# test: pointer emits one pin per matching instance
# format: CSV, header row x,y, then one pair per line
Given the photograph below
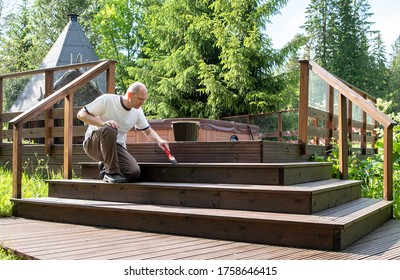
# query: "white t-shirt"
x,y
110,107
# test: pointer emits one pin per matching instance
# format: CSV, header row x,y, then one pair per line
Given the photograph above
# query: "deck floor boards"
x,y
49,241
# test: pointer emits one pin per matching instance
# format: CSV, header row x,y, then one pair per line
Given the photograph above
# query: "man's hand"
x,y
111,123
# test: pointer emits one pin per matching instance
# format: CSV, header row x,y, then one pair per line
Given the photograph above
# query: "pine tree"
x,y
344,43
394,74
209,58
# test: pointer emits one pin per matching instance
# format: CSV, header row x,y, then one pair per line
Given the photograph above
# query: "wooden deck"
x,y
44,240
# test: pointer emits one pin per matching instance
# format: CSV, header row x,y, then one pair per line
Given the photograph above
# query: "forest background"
x,y
207,59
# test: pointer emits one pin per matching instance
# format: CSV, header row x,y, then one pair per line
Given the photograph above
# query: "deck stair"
x,y
289,204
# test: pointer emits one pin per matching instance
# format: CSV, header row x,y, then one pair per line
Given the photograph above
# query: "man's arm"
x,y
90,119
153,136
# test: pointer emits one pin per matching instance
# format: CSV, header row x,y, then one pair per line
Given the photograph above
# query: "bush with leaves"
x,y
370,170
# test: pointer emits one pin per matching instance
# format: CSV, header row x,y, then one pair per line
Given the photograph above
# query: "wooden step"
x,y
303,198
234,173
332,229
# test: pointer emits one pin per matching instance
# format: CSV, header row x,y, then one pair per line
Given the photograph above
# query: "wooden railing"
x,y
282,126
47,104
347,95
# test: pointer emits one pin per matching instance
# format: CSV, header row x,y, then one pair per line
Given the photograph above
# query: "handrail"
x,y
48,102
346,94
55,68
350,94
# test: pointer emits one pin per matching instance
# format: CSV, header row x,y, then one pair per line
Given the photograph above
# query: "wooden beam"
x,y
388,163
329,124
49,122
49,102
55,69
17,163
303,103
342,141
280,127
351,95
350,120
68,134
110,86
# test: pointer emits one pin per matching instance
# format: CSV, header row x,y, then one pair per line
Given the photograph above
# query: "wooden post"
x,y
280,126
350,120
364,133
17,162
110,84
48,122
303,104
330,126
68,134
342,141
388,163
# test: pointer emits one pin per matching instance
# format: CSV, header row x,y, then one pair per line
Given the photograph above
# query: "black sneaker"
x,y
102,170
114,178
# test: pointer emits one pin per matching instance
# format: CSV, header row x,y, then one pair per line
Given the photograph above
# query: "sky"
x,y
386,16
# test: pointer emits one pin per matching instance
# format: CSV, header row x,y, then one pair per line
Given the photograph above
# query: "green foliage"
x,y
8,255
116,24
394,74
210,59
33,182
370,170
344,44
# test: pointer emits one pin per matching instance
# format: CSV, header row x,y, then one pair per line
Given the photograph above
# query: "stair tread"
x,y
229,164
352,211
341,219
317,186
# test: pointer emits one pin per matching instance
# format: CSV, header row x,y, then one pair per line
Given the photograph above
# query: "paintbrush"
x,y
170,157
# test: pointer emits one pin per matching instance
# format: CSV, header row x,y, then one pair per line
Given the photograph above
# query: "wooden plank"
x,y
159,251
362,249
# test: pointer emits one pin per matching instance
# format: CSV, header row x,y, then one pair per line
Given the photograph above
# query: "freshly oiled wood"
x,y
303,198
109,250
241,151
384,239
238,173
250,173
353,216
246,226
78,250
200,253
146,251
254,251
179,211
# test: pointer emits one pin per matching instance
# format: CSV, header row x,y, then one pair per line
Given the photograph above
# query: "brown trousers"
x,y
102,146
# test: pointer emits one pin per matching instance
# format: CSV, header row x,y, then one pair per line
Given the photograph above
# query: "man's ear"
x,y
129,95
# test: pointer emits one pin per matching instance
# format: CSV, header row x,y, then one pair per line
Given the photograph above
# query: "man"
x,y
110,117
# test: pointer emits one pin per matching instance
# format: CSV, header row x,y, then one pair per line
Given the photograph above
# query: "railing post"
x,y
330,125
388,163
110,84
68,134
303,103
350,120
280,126
48,122
17,162
342,142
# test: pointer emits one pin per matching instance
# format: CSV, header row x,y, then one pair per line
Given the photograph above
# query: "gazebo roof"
x,y
72,46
